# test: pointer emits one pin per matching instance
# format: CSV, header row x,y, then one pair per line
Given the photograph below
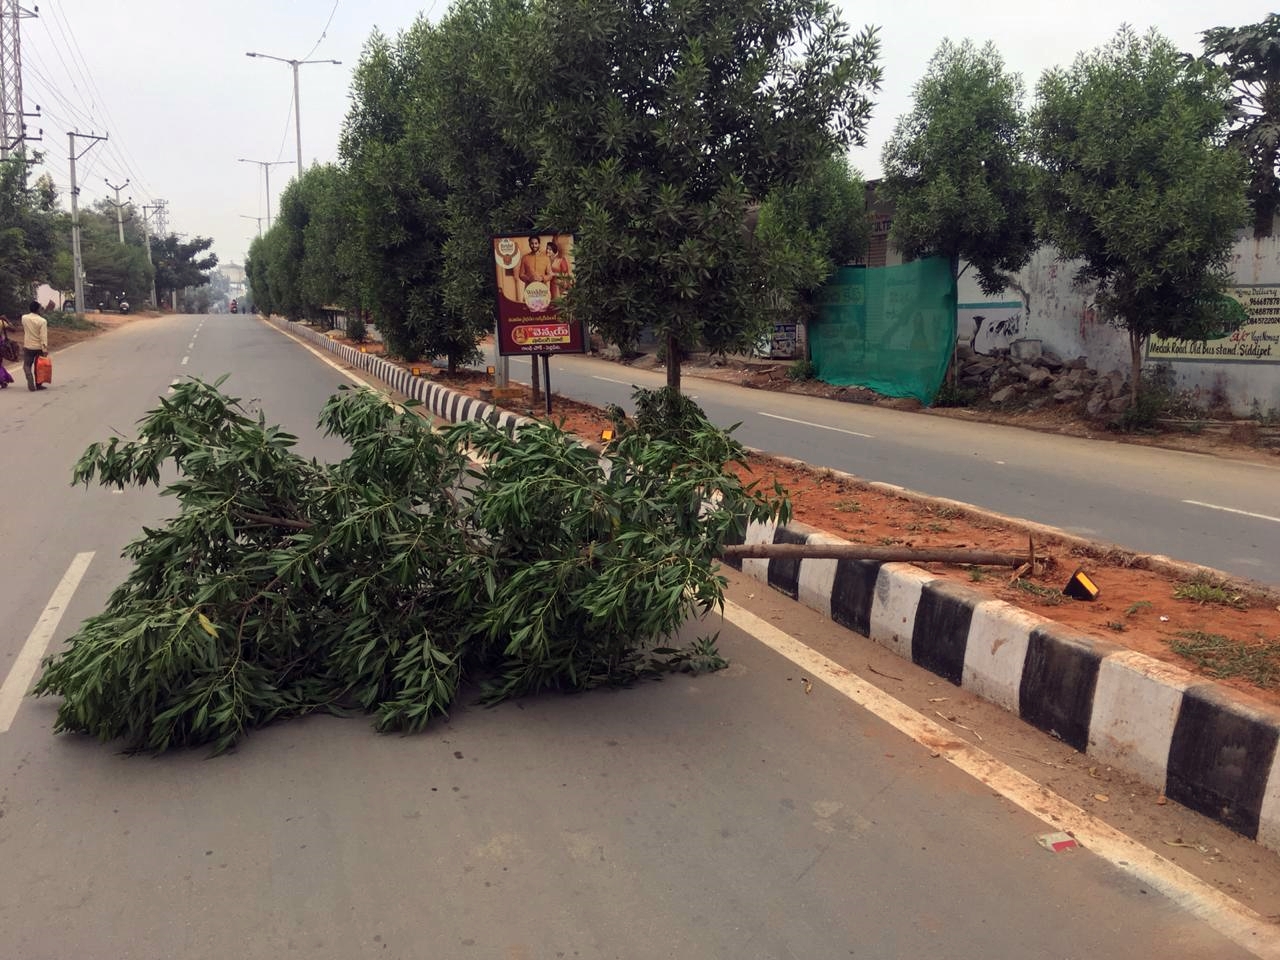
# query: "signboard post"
x,y
533,271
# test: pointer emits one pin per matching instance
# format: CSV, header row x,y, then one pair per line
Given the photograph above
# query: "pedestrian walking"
x,y
35,343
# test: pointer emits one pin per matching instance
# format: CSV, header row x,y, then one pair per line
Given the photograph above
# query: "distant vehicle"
x,y
124,306
235,308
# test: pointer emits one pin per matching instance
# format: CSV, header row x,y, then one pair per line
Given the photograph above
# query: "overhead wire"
x,y
121,148
117,147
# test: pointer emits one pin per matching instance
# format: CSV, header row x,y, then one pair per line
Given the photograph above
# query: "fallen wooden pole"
x,y
854,551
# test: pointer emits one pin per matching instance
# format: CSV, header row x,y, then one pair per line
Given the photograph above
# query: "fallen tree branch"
x,y
856,551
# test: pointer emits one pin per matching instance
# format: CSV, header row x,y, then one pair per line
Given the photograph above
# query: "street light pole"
x,y
297,105
266,166
245,216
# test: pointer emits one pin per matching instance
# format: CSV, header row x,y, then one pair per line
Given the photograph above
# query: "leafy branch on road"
x,y
285,586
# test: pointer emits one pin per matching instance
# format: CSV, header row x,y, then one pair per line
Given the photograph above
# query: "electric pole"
x,y
297,105
76,264
266,166
148,211
13,114
118,205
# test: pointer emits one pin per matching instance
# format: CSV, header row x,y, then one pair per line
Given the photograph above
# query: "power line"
x,y
82,67
323,33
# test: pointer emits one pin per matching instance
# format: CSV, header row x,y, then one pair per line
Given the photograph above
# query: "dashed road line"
x,y
611,380
24,667
185,359
818,426
1243,513
1228,917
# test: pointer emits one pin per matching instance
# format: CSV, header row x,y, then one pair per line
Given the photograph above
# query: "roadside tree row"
x,y
660,135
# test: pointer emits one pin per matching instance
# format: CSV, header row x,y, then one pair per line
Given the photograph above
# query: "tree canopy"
x,y
179,264
957,170
28,234
1135,186
656,126
1250,55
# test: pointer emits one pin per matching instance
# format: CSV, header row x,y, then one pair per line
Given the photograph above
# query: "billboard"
x,y
532,272
1257,341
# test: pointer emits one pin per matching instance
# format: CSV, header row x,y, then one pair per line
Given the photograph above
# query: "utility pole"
x,y
297,106
266,166
118,205
77,264
13,114
245,216
147,213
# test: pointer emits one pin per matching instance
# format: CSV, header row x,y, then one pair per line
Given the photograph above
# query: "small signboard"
x,y
533,271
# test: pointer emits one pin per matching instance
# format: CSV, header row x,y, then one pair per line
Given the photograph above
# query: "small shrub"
x,y
1202,590
356,329
802,370
1116,625
848,506
976,574
1049,596
953,395
1134,608
1158,398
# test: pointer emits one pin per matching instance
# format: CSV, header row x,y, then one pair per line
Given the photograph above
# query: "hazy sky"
x,y
169,81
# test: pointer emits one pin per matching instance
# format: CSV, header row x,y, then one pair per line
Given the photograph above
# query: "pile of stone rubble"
x,y
1028,377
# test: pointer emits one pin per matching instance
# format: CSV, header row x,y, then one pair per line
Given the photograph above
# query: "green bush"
x,y
802,370
385,581
356,330
953,395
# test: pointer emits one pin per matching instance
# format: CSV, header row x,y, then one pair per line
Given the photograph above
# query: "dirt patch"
x,y
1224,632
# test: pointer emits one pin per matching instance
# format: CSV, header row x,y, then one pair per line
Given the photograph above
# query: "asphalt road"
x,y
1221,513
720,816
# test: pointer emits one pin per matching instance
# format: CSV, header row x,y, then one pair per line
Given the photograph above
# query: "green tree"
x,y
956,167
485,164
1135,185
113,270
658,125
179,264
804,231
397,200
255,271
1251,57
28,234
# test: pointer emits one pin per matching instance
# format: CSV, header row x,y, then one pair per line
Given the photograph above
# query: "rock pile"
x,y
1043,378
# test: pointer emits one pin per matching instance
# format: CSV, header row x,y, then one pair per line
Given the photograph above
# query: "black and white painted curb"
x,y
1204,745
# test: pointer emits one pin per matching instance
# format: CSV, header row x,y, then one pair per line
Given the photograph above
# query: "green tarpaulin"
x,y
890,329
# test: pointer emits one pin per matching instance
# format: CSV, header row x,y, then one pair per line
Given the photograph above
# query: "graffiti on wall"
x,y
989,327
1257,341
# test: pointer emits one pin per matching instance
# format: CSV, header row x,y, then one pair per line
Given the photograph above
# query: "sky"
x,y
169,83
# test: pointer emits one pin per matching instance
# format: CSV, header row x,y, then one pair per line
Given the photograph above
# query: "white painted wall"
x,y
1062,315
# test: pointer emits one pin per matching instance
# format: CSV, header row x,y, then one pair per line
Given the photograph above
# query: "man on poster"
x,y
535,267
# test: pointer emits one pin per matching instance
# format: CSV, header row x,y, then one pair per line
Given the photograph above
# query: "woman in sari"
x,y
8,351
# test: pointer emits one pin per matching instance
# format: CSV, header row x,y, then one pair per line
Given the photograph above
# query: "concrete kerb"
x,y
1202,744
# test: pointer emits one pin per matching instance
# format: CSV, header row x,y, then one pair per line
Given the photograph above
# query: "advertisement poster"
x,y
1258,341
532,272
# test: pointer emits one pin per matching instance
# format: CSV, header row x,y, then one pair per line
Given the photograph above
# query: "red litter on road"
x,y
1057,842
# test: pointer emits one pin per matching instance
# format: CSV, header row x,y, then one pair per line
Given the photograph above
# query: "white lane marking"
x,y
322,358
24,667
611,380
1243,513
1000,462
185,359
1230,918
820,426
173,385
192,344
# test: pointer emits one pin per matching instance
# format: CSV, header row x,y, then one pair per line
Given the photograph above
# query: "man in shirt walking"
x,y
35,343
